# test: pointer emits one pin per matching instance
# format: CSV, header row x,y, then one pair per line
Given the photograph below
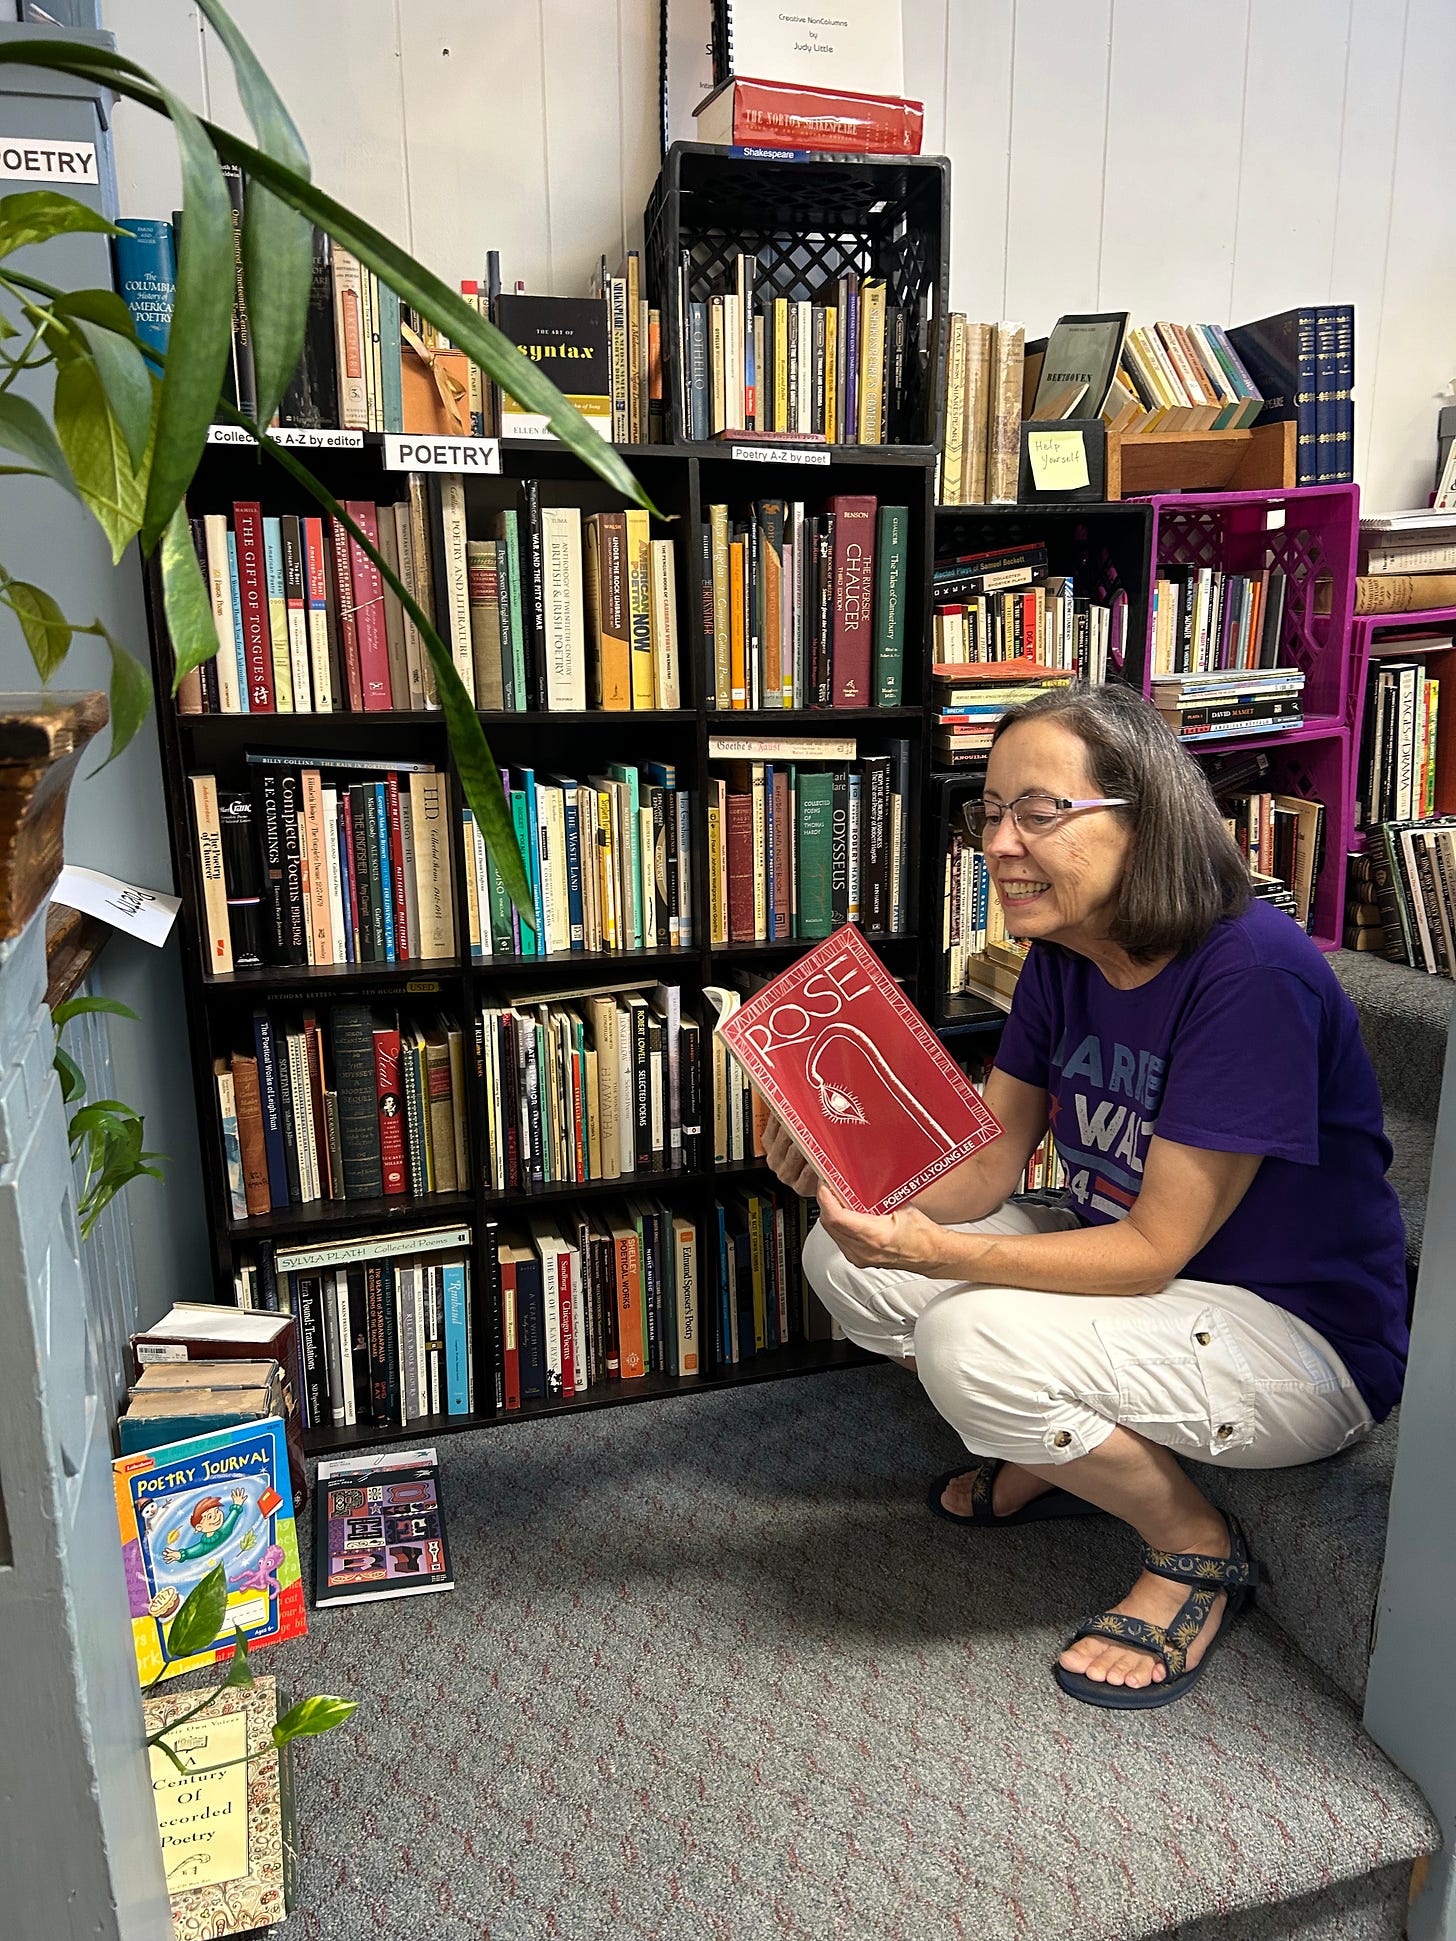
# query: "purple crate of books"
x,y
1365,646
1313,764
1309,534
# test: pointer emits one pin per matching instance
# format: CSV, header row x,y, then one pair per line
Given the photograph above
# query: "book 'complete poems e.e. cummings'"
x,y
186,1507
857,1076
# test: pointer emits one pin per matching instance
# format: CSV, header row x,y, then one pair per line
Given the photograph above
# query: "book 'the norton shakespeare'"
x,y
857,1076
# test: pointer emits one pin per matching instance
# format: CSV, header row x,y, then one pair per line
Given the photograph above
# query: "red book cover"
x,y
510,1341
403,944
854,599
568,1326
348,633
780,114
629,1302
857,1075
373,642
392,1161
740,868
253,607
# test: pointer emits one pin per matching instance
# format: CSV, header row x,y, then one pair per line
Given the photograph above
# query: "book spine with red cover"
x,y
629,1306
740,868
510,1337
373,640
854,609
253,601
394,1168
344,598
404,946
775,114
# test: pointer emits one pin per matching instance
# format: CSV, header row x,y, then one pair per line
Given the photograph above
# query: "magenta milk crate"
x,y
1375,636
1309,534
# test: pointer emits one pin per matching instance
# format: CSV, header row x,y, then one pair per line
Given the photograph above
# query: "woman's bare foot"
x,y
1157,1601
1013,1489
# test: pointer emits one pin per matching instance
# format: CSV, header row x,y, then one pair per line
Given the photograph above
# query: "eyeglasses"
x,y
1035,814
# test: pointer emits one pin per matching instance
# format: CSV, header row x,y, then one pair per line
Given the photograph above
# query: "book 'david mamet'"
x,y
856,1075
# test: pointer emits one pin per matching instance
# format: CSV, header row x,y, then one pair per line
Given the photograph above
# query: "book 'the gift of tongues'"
x,y
856,1075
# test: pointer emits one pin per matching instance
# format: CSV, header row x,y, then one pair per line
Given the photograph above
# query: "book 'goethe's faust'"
x,y
857,1076
567,339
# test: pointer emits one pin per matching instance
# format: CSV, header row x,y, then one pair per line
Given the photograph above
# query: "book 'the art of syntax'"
x,y
856,1075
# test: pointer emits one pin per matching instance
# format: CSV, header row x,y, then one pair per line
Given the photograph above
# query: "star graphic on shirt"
x,y
1054,1107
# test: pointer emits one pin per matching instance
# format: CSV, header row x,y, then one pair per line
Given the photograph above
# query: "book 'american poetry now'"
x,y
857,1076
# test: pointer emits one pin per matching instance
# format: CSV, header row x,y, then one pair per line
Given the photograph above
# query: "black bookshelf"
x,y
682,481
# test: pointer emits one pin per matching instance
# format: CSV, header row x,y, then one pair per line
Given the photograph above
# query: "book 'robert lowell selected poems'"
x,y
857,1076
186,1507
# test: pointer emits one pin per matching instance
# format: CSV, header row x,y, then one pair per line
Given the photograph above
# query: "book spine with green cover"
x,y
816,807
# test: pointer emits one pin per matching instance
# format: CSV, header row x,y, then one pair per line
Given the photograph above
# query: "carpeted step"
x,y
1405,1015
1320,1531
712,1669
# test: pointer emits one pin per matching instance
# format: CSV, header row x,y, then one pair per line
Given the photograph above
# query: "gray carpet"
x,y
712,1670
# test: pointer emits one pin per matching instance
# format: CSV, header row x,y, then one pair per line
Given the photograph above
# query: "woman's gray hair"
x,y
1185,873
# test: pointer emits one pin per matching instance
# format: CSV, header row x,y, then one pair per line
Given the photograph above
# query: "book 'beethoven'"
x,y
857,1076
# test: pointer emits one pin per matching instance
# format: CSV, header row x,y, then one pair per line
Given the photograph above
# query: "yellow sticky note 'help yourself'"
x,y
1058,460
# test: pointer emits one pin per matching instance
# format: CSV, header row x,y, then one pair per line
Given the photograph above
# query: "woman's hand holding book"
x,y
787,1161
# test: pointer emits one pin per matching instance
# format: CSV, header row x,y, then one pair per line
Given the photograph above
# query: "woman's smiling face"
x,y
1062,887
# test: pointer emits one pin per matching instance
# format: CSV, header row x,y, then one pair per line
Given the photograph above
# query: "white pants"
x,y
1213,1372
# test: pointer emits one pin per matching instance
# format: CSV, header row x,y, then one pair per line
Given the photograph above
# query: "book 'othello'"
x,y
857,1076
185,1508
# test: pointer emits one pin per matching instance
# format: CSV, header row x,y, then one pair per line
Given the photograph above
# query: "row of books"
x,y
752,362
547,611
764,1301
796,849
597,1085
1182,377
634,352
980,954
1417,891
1220,705
610,861
970,700
1396,779
1205,619
1006,605
1046,1170
1282,838
305,863
388,1327
342,1104
981,412
806,609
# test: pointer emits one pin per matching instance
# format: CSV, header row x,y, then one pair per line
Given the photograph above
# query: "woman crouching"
x,y
1225,1277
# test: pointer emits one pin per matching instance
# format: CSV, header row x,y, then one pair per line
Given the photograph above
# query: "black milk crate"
x,y
806,223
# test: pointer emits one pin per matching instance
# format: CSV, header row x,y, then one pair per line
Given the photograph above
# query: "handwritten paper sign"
x,y
144,914
1058,460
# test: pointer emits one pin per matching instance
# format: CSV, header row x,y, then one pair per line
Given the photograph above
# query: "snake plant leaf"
x,y
277,240
79,1007
201,335
25,431
96,451
35,215
46,629
191,624
200,1616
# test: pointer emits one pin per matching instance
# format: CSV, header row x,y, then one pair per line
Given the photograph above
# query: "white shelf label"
x,y
406,452
295,435
31,160
785,454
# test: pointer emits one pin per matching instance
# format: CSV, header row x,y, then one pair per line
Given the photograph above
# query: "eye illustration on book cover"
x,y
188,1507
857,1076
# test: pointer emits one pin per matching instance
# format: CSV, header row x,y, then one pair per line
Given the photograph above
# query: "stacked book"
x,y
839,369
597,1085
1418,890
806,609
1370,917
548,610
970,699
804,120
342,1104
610,861
1215,706
1205,618
805,835
1005,605
1397,773
981,410
592,1295
1407,562
764,1301
325,860
981,957
388,1332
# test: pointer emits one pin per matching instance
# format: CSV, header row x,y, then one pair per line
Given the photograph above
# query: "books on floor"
x,y
856,1076
184,1509
379,1528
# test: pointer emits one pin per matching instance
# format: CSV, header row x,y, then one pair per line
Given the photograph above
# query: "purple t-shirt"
x,y
1248,1045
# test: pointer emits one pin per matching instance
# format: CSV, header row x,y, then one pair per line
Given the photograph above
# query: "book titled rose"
x,y
857,1076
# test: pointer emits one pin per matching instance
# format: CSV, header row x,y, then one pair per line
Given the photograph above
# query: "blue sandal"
x,y
1046,1508
1237,1574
